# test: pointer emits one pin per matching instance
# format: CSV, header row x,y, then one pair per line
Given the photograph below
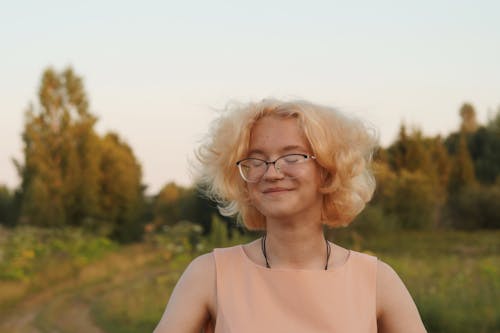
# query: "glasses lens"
x,y
290,163
252,169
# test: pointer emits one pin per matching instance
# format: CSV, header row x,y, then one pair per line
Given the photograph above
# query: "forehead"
x,y
275,134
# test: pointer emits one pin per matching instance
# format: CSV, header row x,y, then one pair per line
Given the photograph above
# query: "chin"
x,y
278,211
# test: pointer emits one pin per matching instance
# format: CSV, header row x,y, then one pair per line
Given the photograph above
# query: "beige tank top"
x,y
253,298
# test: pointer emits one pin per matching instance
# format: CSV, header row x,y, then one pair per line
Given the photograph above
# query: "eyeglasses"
x,y
253,169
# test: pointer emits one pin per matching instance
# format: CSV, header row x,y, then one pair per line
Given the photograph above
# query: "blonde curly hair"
x,y
343,147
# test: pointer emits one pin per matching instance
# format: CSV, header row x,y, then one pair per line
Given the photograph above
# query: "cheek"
x,y
311,176
252,193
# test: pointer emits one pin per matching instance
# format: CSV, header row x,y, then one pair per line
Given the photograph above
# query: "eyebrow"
x,y
284,150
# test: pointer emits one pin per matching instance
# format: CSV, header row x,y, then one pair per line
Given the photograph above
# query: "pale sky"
x,y
154,71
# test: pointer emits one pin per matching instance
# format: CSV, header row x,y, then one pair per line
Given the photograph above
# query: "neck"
x,y
295,245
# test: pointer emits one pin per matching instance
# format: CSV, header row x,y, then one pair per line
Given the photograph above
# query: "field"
x,y
67,281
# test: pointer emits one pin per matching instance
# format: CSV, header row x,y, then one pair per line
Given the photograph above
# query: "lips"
x,y
276,190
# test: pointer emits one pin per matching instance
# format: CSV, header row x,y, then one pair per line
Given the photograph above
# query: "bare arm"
x,y
188,308
396,310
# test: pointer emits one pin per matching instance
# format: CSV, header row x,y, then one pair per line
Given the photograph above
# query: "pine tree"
x,y
462,172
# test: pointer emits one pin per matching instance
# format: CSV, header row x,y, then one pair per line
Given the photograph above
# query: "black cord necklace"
x,y
263,246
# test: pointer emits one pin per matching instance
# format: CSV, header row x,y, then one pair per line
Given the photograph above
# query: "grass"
x,y
453,276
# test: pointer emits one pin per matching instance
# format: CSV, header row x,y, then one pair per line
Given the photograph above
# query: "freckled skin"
x,y
271,136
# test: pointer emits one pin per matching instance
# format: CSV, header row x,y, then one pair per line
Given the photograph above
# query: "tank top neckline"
x,y
291,270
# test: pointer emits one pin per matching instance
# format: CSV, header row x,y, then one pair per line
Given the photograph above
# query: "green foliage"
x,y
120,197
484,146
183,237
468,115
418,201
70,175
408,199
453,276
58,173
25,251
170,204
462,173
475,206
7,206
137,306
432,182
374,220
442,165
218,235
410,153
175,203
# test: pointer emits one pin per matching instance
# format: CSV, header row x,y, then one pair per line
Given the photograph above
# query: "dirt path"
x,y
65,316
66,307
52,311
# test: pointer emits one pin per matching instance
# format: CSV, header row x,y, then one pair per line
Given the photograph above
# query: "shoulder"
x,y
200,274
385,273
192,300
202,263
389,284
365,256
395,306
205,265
390,287
199,277
367,262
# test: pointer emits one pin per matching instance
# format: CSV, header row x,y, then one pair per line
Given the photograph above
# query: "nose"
x,y
272,172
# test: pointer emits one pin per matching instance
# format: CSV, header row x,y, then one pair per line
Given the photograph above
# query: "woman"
x,y
289,168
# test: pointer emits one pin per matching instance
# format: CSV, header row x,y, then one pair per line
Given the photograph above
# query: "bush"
x,y
373,219
25,251
475,207
413,199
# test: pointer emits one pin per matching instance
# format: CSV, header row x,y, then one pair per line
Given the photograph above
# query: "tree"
x,y
398,151
462,172
493,124
58,174
441,162
409,152
483,146
6,206
121,191
469,122
414,200
168,205
175,203
70,175
476,206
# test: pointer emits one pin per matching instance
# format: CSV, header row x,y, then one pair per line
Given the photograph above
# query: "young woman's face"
x,y
283,194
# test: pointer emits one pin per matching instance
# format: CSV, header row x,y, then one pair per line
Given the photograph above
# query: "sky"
x,y
156,72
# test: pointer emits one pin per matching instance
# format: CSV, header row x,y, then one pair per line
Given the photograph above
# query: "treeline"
x,y
72,176
429,182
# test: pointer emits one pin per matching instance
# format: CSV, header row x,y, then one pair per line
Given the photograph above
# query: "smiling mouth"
x,y
276,190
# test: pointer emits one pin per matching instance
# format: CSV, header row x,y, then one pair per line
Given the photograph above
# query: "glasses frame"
x,y
267,163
